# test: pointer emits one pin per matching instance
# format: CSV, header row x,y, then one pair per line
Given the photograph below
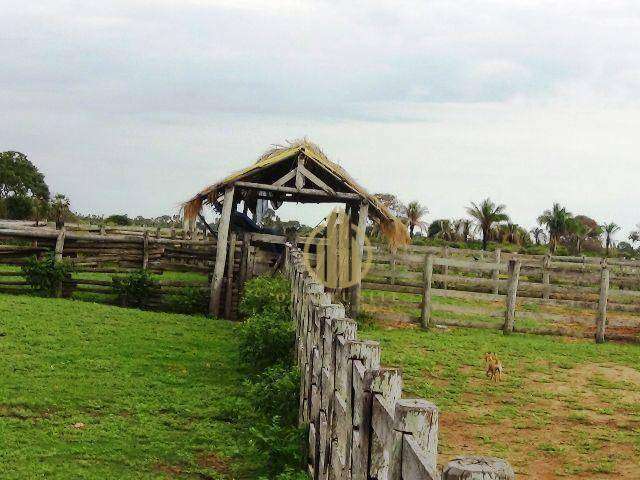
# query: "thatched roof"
x,y
278,160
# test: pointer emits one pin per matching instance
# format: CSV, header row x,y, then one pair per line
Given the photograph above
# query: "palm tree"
x,y
557,220
59,209
609,230
462,227
486,214
634,236
538,235
414,213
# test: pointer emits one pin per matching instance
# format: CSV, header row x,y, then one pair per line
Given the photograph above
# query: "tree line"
x,y
557,231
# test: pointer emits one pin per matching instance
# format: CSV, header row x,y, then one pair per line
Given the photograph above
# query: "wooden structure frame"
x,y
299,173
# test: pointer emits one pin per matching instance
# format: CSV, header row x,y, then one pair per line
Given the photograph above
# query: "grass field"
x,y
93,391
566,407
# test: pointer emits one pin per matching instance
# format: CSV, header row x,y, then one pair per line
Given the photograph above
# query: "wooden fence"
x,y
248,255
594,284
360,427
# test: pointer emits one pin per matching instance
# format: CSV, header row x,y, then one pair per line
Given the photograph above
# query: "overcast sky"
x,y
132,106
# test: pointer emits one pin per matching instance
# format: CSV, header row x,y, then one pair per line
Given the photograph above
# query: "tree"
x,y
462,227
118,219
18,176
60,209
538,235
635,236
486,214
390,201
609,229
18,207
414,213
557,221
41,209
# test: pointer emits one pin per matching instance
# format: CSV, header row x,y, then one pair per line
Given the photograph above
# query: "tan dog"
x,y
493,366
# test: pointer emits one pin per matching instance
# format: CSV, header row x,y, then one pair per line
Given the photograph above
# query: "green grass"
x,y
153,391
549,403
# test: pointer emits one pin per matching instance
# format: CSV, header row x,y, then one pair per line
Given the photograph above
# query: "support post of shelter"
x,y
221,252
356,259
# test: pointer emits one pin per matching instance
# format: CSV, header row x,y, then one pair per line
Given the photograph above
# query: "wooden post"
x,y
103,230
145,250
221,252
58,258
356,260
512,292
60,245
496,274
393,251
487,468
228,302
546,263
425,317
244,260
446,267
158,235
601,319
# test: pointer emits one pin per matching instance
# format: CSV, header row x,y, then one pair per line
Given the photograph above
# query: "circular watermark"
x,y
334,254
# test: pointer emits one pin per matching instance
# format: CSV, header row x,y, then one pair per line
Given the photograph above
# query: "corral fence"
x,y
110,256
593,285
360,427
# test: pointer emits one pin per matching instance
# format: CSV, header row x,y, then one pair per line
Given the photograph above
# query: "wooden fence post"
x,y
601,319
229,298
393,251
487,468
60,245
425,318
58,258
356,259
446,267
496,274
512,292
546,264
221,252
145,250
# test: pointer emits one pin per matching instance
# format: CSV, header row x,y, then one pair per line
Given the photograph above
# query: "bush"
x,y
46,275
122,220
283,445
135,289
19,207
278,389
267,339
265,293
189,300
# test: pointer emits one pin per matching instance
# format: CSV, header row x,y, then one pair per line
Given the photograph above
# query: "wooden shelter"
x,y
298,172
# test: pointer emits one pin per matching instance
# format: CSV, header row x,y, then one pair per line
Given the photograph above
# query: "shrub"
x,y
46,275
265,293
122,220
19,207
277,388
189,300
283,445
267,339
135,289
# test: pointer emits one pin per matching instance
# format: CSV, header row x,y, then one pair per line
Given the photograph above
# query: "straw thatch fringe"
x,y
393,229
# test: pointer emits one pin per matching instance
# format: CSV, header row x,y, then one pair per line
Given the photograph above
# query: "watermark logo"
x,y
333,253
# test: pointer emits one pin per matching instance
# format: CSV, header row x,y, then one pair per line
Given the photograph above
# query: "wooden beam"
x,y
229,297
302,169
305,191
207,226
284,179
358,252
299,177
221,252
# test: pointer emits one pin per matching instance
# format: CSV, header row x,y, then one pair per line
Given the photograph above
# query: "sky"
x,y
133,106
